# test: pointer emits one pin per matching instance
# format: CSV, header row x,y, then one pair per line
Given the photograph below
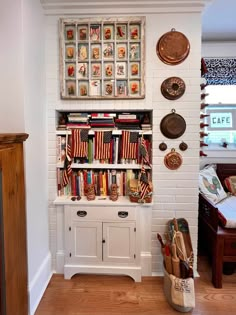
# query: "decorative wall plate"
x,y
173,47
173,125
173,88
173,160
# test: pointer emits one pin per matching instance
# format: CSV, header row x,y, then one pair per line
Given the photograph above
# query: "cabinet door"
x,y
86,242
119,242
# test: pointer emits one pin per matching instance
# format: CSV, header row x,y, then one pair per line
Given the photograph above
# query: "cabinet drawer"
x,y
102,213
230,247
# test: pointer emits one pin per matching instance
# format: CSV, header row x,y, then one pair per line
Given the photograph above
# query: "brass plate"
x,y
173,47
173,88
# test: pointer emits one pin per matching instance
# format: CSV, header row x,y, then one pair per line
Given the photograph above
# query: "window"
x,y
222,114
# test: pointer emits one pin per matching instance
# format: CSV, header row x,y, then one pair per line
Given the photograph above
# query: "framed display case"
x,y
102,58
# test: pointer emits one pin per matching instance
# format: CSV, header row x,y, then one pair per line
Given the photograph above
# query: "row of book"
x,y
102,180
104,121
115,148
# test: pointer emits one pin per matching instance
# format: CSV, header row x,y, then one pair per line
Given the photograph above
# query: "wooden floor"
x,y
107,295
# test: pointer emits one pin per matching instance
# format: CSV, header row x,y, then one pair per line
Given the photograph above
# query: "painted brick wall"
x,y
175,192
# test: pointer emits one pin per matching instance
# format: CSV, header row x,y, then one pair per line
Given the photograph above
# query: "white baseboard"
x,y
146,263
39,284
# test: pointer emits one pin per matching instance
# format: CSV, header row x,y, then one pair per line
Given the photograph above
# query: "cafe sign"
x,y
221,120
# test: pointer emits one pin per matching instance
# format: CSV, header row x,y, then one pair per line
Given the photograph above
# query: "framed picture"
x,y
102,57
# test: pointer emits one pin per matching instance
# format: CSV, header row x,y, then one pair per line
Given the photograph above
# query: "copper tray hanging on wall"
x,y
173,88
173,160
173,47
173,125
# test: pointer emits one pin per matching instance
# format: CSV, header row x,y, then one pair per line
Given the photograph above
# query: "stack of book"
x,y
78,120
128,121
102,120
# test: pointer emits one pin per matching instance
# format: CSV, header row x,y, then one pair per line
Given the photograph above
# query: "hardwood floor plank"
x,y
120,295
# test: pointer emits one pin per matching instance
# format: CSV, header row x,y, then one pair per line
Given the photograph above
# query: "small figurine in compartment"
x,y
107,32
70,52
70,88
108,50
134,32
70,70
70,34
82,32
82,70
95,32
82,52
121,31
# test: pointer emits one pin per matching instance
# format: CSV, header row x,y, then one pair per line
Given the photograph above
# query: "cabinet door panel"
x,y
119,245
87,242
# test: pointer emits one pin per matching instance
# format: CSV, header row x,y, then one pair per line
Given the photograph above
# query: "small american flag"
x,y
67,167
79,142
143,152
103,144
145,187
129,144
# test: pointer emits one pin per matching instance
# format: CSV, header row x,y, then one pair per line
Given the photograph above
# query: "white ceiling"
x,y
219,21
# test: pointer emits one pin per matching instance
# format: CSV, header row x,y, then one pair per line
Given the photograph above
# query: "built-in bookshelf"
x,y
118,165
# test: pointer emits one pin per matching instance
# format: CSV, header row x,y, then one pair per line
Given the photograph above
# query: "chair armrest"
x,y
208,213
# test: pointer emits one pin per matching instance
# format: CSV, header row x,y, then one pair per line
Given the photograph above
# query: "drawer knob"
x,y
81,213
123,214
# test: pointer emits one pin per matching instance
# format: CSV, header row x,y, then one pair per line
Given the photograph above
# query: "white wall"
x,y
39,258
11,65
175,192
23,109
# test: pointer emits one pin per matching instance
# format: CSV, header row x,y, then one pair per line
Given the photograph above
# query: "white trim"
x,y
52,7
39,284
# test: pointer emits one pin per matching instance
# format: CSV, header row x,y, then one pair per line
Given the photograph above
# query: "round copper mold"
x,y
183,146
163,146
173,88
173,47
173,125
173,160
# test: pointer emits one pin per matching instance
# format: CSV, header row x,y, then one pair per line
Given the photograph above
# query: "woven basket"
x,y
167,292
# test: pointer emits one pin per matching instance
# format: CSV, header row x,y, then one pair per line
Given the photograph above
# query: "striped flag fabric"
x,y
129,148
67,167
143,152
144,184
79,143
103,145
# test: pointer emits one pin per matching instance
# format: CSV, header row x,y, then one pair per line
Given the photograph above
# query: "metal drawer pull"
x,y
81,213
123,214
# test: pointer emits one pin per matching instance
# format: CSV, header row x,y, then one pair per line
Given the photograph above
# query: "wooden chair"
x,y
219,242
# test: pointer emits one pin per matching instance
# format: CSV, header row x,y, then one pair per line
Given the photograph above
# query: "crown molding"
x,y
114,7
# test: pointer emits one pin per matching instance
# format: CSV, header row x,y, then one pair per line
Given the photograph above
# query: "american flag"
x,y
143,152
103,144
129,144
145,187
79,142
67,167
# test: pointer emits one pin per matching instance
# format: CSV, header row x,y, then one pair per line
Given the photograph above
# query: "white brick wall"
x,y
175,192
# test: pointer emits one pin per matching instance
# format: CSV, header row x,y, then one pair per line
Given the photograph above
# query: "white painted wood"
x,y
119,242
103,241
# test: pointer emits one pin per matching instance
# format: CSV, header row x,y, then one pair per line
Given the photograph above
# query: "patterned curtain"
x,y
220,71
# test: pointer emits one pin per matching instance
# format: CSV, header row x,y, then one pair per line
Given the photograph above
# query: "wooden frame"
x,y
102,58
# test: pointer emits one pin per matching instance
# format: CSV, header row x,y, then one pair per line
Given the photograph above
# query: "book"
x,y
127,116
102,115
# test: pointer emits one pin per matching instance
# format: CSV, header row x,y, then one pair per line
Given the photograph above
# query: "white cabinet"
x,y
102,240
